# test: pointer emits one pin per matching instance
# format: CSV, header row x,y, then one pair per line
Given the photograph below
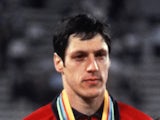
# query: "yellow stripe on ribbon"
x,y
106,106
69,111
67,106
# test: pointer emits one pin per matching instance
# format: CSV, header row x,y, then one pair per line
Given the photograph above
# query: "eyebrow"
x,y
79,52
102,50
85,52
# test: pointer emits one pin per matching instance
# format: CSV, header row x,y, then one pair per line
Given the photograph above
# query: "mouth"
x,y
92,81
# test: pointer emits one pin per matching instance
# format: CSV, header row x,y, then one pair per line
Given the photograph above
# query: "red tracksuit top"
x,y
125,112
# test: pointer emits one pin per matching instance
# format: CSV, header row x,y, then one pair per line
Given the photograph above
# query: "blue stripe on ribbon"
x,y
111,110
61,110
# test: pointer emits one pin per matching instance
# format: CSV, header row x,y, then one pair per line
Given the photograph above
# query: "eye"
x,y
79,56
101,54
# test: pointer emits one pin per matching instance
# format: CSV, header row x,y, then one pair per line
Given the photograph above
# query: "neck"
x,y
86,106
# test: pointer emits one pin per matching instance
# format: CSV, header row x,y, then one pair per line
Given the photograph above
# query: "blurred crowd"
x,y
33,77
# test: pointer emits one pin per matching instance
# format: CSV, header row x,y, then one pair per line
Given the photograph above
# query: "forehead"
x,y
93,44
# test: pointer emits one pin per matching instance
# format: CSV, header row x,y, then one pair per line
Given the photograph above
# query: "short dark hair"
x,y
82,25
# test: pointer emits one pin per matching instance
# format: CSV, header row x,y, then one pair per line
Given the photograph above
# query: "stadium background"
x,y
27,76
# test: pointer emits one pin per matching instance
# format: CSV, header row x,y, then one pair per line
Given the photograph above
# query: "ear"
x,y
58,63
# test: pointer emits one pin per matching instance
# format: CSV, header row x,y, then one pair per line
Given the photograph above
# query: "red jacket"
x,y
126,112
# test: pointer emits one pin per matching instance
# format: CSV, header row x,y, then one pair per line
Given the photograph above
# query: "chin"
x,y
92,94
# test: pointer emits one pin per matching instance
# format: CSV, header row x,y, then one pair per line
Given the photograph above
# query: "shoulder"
x,y
128,112
43,113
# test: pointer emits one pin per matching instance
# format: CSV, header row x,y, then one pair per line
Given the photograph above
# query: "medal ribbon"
x,y
65,110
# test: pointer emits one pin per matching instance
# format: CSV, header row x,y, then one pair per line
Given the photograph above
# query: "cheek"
x,y
73,73
104,71
77,73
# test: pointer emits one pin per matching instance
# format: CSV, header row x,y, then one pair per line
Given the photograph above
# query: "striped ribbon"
x,y
65,110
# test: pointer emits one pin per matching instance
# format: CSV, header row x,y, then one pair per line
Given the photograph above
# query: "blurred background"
x,y
27,76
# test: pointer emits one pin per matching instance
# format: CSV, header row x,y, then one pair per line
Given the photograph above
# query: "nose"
x,y
92,65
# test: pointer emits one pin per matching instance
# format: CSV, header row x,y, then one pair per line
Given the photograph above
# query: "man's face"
x,y
85,71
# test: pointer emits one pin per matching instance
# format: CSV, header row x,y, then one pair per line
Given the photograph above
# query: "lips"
x,y
92,80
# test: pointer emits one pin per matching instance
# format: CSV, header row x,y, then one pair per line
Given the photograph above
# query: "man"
x,y
81,55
